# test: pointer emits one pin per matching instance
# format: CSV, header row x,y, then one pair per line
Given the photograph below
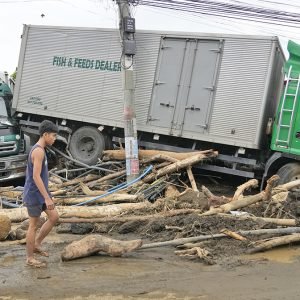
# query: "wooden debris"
x,y
232,234
5,227
171,192
240,203
192,179
240,190
149,154
92,244
264,245
88,212
279,222
128,218
180,165
176,242
197,252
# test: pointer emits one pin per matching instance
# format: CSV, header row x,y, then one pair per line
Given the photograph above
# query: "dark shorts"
x,y
36,210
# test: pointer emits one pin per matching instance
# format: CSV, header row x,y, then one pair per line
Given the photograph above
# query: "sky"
x,y
103,14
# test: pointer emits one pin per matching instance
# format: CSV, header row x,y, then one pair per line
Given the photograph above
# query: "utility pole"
x,y
127,30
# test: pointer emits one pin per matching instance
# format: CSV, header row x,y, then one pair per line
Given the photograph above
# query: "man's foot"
x,y
40,252
35,263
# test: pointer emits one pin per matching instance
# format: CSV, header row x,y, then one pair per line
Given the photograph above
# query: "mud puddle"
x,y
286,255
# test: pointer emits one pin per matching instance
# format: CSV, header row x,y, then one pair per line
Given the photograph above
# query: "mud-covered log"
x,y
92,244
148,154
124,219
265,245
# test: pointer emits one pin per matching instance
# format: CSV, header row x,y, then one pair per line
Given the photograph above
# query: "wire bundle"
x,y
234,9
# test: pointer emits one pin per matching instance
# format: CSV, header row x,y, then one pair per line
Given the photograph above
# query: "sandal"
x,y
35,263
41,252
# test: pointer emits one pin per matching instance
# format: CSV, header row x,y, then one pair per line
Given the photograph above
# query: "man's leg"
x,y
30,237
47,226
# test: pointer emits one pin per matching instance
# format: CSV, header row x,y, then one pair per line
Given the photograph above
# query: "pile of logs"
x,y
132,204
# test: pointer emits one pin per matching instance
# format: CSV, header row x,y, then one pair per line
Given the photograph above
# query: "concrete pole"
x,y
130,130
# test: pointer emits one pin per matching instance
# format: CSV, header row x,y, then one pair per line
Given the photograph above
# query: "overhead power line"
x,y
229,10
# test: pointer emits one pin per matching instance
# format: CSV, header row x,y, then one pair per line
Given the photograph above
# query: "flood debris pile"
x,y
167,208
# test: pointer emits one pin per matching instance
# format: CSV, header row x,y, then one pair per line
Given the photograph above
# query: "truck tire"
x,y
87,144
289,172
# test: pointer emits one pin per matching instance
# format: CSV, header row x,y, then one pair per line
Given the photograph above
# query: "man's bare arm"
x,y
37,157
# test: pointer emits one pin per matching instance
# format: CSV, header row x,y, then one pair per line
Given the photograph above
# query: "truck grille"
x,y
8,146
2,165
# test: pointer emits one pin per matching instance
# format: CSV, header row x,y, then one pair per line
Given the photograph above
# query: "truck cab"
x,y
12,144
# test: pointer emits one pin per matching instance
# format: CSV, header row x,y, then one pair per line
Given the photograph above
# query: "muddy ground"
x,y
147,274
158,273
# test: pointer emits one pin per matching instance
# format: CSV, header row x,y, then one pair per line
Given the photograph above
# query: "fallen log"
x,y
148,154
174,167
240,203
124,219
233,235
279,222
177,242
5,227
11,194
192,179
88,178
97,243
106,178
107,199
240,190
275,242
88,212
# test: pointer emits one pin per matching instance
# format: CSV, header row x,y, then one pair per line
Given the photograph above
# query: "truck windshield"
x,y
3,110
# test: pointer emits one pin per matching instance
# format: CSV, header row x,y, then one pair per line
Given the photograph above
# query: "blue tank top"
x,y
31,194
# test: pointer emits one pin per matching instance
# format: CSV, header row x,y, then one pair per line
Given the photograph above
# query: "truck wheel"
x,y
87,144
289,172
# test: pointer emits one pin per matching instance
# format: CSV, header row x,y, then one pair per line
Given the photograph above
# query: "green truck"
x,y
12,143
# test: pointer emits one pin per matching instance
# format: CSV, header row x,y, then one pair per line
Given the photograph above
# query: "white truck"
x,y
192,91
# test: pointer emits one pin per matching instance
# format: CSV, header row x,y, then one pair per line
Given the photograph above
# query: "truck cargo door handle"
x,y
157,82
166,104
193,108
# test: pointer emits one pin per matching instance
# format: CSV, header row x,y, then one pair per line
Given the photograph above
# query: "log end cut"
x,y
5,227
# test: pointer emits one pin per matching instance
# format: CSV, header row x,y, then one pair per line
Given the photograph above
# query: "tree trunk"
x,y
92,244
121,219
175,167
5,227
20,214
105,178
275,242
108,199
279,222
148,154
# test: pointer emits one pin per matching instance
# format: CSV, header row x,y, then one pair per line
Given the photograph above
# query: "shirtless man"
x,y
37,197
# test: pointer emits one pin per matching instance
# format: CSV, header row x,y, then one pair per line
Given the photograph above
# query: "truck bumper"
x,y
13,167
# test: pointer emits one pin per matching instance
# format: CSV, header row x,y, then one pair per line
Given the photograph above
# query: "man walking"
x,y
37,197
